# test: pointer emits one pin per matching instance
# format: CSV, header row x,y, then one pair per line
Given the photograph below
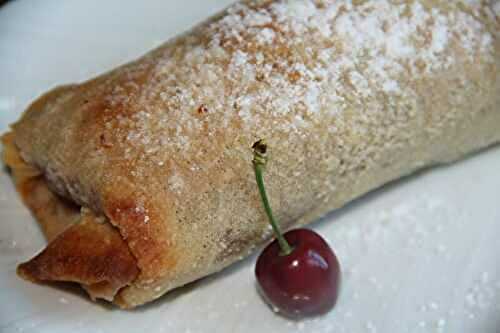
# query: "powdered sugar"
x,y
265,36
175,182
482,294
298,63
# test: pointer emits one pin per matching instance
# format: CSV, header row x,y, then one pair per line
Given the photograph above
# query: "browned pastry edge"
x,y
53,213
82,248
90,253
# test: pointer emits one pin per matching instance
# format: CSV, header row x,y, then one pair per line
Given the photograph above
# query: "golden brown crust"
x,y
91,253
53,213
82,248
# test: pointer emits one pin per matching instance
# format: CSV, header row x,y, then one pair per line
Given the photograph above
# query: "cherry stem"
x,y
259,162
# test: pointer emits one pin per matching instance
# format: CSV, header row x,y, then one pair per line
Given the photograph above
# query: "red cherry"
x,y
303,283
298,272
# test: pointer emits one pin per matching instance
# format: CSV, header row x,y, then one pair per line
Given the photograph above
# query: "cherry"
x,y
304,282
298,273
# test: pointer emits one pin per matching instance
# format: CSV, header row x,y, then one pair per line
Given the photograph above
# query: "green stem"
x,y
259,162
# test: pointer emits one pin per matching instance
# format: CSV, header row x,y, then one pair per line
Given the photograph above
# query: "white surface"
x,y
418,256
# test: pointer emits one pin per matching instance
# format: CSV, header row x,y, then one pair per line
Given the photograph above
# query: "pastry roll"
x,y
142,177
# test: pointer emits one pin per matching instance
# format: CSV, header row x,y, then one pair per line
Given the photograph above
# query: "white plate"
x,y
419,255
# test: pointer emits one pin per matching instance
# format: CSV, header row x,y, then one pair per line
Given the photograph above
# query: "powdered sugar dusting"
x,y
295,64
